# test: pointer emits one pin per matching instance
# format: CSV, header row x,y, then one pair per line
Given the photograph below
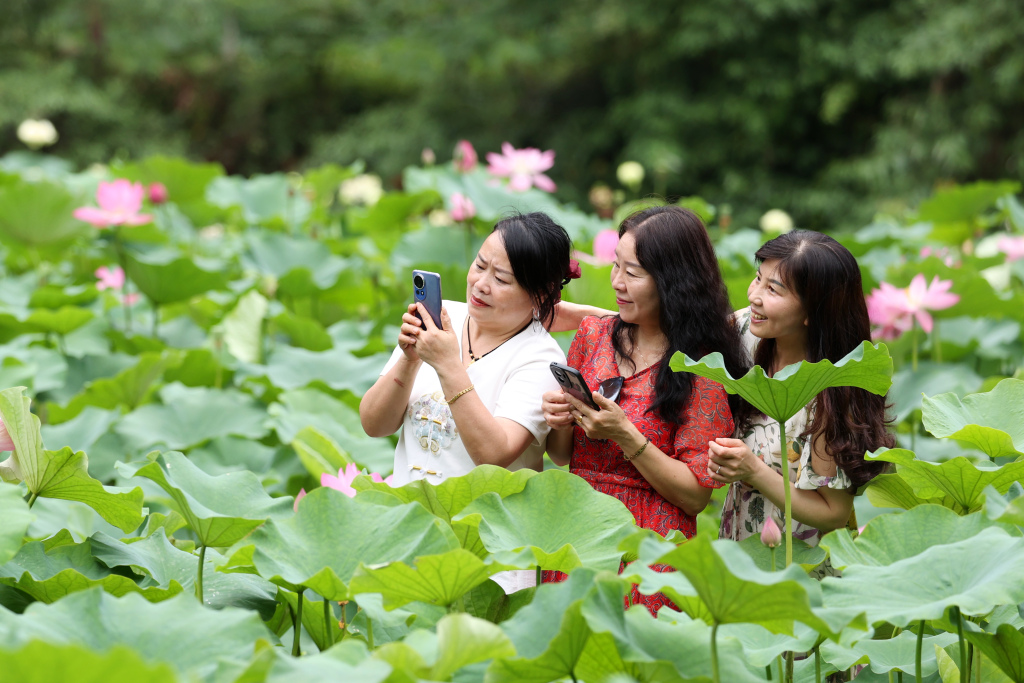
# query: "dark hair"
x,y
673,246
826,279
538,250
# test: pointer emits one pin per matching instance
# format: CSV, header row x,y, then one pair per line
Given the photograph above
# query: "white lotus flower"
x,y
37,133
776,221
630,174
365,189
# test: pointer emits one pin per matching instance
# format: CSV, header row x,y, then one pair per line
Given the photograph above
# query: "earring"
x,y
536,313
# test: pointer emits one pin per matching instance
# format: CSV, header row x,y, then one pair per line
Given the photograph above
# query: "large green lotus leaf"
x,y
16,517
761,646
179,631
43,662
1005,647
633,638
64,320
784,395
805,555
962,480
323,544
54,296
463,640
898,652
129,388
549,634
304,332
185,182
892,491
392,625
436,579
296,410
910,386
191,415
992,421
51,574
39,214
890,538
319,453
232,454
347,662
167,276
1008,508
161,564
243,327
963,203
302,266
261,198
558,521
977,574
40,368
26,463
312,617
288,367
220,510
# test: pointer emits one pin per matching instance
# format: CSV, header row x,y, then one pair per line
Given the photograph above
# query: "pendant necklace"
x,y
469,342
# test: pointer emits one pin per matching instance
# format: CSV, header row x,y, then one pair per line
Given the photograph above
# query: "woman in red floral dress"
x,y
649,447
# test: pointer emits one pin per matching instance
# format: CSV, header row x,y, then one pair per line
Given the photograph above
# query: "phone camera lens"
x,y
417,281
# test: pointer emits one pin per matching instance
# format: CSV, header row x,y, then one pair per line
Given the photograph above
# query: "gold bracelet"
x,y
457,396
640,450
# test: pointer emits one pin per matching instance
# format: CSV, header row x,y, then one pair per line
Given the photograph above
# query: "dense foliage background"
x,y
832,111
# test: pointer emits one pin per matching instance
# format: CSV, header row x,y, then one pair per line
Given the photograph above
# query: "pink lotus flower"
x,y
895,310
382,480
604,245
343,482
157,193
462,207
302,494
523,167
922,297
940,253
771,535
6,442
1013,247
465,158
119,202
109,278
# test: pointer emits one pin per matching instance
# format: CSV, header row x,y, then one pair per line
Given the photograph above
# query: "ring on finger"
x,y
718,470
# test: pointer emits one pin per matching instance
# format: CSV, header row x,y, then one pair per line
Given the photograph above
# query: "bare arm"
x,y
671,478
556,413
568,315
822,508
383,407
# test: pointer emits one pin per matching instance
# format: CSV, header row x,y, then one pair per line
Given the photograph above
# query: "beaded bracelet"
x,y
640,450
456,397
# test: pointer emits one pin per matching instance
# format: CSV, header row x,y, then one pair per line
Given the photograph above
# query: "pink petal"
x,y
337,484
97,217
302,494
924,319
520,182
544,183
6,443
131,299
604,245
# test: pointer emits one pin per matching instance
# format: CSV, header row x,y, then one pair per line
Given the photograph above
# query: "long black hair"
x,y
826,278
538,250
673,246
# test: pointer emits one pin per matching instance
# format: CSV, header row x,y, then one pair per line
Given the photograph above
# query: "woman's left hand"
x,y
607,423
732,460
436,346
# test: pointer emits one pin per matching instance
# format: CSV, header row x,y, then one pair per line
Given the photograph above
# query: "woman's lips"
x,y
622,302
477,302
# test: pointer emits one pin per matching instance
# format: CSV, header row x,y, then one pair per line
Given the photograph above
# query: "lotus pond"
x,y
174,374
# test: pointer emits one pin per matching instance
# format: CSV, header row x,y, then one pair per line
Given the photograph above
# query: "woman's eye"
x,y
501,281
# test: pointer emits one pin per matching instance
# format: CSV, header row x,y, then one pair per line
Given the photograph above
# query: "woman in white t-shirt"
x,y
469,393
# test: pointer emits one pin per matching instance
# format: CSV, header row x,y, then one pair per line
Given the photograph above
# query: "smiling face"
x,y
635,290
493,295
775,310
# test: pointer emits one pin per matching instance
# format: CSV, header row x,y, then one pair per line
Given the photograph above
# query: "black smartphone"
x,y
426,287
572,381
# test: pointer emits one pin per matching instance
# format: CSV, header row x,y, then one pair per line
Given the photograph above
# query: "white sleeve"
x,y
520,397
396,355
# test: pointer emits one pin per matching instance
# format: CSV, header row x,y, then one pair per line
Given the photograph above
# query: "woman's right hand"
x,y
409,333
556,409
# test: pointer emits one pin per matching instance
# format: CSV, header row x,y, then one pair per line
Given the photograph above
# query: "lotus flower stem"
x,y
936,343
965,672
538,576
817,664
917,661
32,499
328,617
297,625
913,347
199,572
714,653
768,672
778,662
789,667
787,519
369,631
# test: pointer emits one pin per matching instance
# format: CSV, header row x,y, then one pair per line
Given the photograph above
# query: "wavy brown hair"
x,y
826,279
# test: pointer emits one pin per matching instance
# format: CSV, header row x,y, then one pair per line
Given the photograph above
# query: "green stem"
x,y
817,664
460,604
917,662
892,675
913,351
787,520
538,575
768,672
156,320
772,548
789,667
369,632
297,625
936,343
199,572
32,499
965,672
714,654
122,261
778,661
976,663
328,618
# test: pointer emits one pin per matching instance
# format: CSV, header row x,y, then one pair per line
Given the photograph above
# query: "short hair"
x,y
539,251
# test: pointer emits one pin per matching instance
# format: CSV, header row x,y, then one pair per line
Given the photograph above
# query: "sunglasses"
x,y
610,388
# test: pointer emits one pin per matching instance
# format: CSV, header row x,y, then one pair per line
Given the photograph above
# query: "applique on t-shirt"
x,y
432,423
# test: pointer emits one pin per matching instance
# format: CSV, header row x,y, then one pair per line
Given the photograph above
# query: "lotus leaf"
x,y
1005,647
243,327
463,640
232,454
348,662
63,321
302,266
993,421
436,579
220,510
42,662
313,620
16,518
319,453
323,544
806,556
191,415
38,214
179,631
959,478
909,386
891,538
976,574
1009,508
898,652
392,625
558,521
305,332
185,182
761,646
892,491
167,276
293,368
261,198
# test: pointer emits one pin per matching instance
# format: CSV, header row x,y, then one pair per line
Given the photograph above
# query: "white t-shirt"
x,y
510,381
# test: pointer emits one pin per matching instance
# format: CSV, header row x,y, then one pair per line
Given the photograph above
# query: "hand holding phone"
x,y
426,287
573,383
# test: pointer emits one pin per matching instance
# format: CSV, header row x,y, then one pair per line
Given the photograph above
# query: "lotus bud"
x,y
465,158
776,222
6,443
630,174
36,134
771,536
366,189
157,193
428,157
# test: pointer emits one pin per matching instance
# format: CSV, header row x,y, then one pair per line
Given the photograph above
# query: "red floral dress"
x,y
706,417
